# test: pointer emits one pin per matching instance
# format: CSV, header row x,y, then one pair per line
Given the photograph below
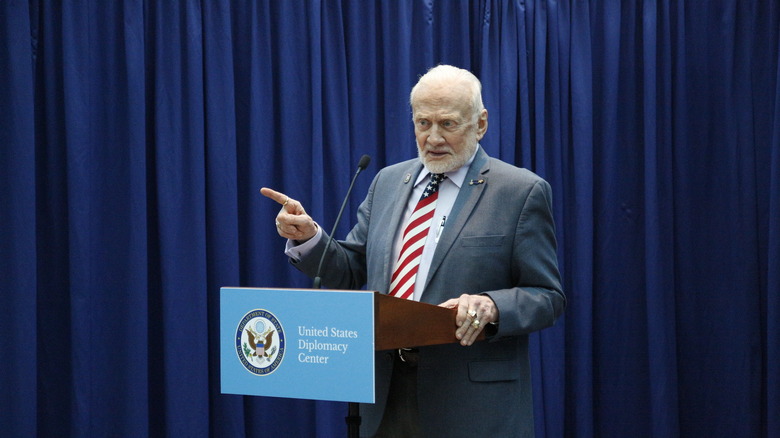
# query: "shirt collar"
x,y
457,176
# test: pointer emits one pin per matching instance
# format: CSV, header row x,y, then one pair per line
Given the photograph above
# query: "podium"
x,y
318,344
404,323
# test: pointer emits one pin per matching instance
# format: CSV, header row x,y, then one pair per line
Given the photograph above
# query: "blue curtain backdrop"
x,y
134,136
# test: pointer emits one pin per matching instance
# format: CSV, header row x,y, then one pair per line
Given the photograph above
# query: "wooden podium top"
x,y
404,323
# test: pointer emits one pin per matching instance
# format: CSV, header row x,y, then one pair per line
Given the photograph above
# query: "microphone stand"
x,y
353,409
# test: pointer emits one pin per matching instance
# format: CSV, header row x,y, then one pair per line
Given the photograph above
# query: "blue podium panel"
x,y
297,343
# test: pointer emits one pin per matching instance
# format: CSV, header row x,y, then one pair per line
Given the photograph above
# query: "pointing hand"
x,y
292,222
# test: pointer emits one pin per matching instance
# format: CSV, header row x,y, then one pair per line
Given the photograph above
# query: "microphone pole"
x,y
353,409
364,160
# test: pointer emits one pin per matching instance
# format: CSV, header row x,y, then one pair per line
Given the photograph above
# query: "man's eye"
x,y
422,122
448,124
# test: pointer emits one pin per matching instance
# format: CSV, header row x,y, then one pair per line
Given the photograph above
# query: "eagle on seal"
x,y
260,343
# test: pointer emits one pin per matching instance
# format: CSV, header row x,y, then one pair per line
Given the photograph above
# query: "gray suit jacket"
x,y
499,240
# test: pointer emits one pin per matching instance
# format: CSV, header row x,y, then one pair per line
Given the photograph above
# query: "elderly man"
x,y
462,230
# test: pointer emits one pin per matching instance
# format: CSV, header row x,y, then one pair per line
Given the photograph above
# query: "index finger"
x,y
273,194
463,308
450,304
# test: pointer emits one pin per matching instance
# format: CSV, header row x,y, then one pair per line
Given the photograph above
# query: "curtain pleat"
x,y
18,196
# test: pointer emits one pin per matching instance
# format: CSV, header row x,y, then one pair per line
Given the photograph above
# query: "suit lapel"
x,y
465,203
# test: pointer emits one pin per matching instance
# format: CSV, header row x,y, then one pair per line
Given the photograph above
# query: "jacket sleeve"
x,y
537,299
344,266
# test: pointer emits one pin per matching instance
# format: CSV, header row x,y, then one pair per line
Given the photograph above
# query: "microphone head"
x,y
364,160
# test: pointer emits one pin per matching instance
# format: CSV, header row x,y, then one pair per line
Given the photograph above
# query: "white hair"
x,y
449,73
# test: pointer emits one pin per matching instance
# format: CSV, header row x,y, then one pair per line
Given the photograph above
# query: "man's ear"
x,y
482,124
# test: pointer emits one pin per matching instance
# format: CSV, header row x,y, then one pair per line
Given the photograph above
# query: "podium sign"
x,y
297,343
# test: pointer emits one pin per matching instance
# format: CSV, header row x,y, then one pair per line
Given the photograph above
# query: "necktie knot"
x,y
433,184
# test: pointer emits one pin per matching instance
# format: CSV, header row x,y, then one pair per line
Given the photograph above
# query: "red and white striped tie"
x,y
405,272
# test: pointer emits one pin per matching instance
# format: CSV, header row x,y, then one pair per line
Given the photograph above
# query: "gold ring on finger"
x,y
472,314
475,324
286,201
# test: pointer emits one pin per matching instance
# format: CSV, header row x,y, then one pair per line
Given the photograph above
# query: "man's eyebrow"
x,y
449,116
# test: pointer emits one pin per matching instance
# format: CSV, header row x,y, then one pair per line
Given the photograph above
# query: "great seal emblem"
x,y
260,342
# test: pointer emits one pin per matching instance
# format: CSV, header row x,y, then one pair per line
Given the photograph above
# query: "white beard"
x,y
450,164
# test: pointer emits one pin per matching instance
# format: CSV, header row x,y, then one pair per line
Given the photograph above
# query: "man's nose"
x,y
435,137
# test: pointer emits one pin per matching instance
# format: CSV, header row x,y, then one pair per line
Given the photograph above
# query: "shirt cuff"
x,y
297,251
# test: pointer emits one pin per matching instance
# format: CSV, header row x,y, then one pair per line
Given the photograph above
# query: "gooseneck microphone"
x,y
362,164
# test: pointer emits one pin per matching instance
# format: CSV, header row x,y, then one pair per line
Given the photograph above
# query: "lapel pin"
x,y
407,178
475,182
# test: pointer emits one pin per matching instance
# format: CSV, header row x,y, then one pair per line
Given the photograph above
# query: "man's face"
x,y
445,126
